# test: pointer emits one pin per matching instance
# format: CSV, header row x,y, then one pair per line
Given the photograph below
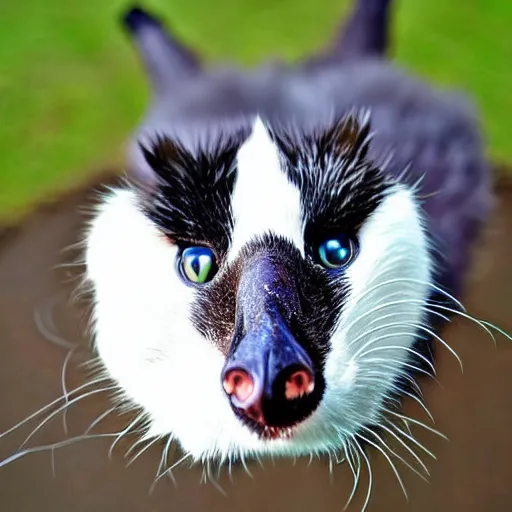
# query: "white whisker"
x,y
141,451
64,388
161,470
46,333
27,451
410,437
409,449
355,472
60,409
49,406
244,464
126,431
419,423
169,470
214,482
388,459
101,417
398,347
400,366
370,478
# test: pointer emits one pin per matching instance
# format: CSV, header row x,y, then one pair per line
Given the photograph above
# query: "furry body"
x,y
261,167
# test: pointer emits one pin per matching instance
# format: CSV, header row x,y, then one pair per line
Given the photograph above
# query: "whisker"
x,y
497,329
54,471
60,409
126,431
401,324
370,478
64,388
163,462
418,400
356,473
141,451
214,482
400,391
168,471
412,281
260,462
49,406
400,367
380,318
173,467
486,326
441,340
50,336
388,459
244,464
419,423
368,332
28,451
375,287
397,347
407,436
330,463
409,449
100,418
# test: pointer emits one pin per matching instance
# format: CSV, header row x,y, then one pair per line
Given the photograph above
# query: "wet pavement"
x,y
472,472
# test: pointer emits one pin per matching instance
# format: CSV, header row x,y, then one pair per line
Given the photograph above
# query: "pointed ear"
x,y
364,34
166,60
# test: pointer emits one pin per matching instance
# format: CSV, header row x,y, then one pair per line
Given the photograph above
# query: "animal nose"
x,y
270,397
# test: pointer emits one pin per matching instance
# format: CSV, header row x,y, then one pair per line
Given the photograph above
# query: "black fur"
x,y
192,205
192,200
435,134
339,186
311,316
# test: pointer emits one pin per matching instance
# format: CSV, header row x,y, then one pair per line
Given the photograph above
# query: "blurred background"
x,y
71,86
71,90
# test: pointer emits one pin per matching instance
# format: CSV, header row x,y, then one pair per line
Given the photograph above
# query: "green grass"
x,y
71,87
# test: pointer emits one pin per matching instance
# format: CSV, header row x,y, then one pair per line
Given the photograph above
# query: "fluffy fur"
x,y
235,159
146,317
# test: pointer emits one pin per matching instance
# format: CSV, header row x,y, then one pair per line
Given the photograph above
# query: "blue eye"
x,y
197,264
336,252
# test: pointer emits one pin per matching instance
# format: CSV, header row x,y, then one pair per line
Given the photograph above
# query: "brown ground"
x,y
473,471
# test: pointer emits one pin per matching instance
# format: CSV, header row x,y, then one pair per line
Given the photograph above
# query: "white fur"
x,y
148,344
264,200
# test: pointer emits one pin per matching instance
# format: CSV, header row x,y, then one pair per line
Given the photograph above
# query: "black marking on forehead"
x,y
312,321
192,200
339,186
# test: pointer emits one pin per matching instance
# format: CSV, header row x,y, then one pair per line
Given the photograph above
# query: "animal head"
x,y
264,296
262,288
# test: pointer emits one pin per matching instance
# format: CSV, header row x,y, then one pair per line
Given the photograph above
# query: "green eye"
x,y
336,252
197,264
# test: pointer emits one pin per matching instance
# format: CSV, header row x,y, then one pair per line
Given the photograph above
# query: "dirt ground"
x,y
474,408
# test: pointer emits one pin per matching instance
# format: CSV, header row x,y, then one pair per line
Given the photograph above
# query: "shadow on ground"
x,y
474,409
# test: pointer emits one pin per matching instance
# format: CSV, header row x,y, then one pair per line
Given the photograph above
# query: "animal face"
x,y
266,296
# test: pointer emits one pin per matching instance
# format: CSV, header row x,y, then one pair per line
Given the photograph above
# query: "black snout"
x,y
269,377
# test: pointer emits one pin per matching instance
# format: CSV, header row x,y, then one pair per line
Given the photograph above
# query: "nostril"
x,y
298,384
239,384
